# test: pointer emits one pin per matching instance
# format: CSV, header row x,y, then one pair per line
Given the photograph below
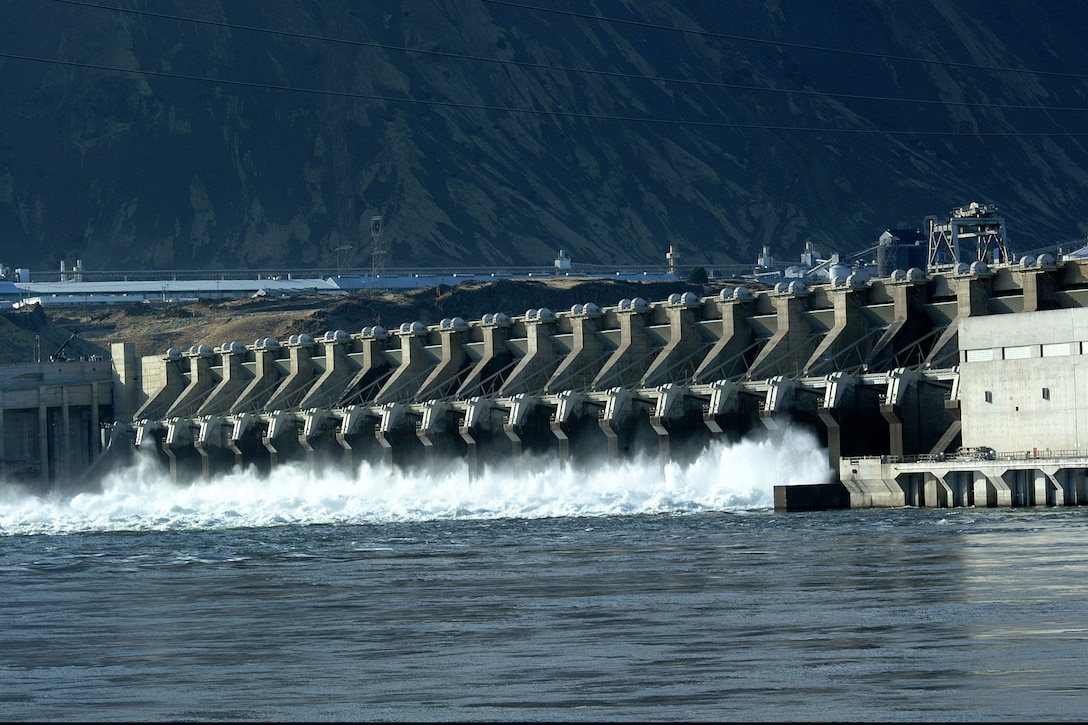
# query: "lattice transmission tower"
x,y
381,249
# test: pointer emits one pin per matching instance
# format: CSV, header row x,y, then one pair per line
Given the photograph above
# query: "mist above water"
x,y
737,476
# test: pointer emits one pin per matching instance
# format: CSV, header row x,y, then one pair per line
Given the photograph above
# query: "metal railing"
x,y
978,454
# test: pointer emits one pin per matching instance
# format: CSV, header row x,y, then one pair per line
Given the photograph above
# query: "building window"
x,y
989,396
1057,349
1046,393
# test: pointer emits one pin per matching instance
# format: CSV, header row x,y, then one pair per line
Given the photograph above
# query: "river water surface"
x,y
622,593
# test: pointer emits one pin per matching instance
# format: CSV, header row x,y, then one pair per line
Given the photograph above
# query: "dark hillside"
x,y
256,135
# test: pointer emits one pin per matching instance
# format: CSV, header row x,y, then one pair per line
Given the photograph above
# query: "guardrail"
x,y
977,454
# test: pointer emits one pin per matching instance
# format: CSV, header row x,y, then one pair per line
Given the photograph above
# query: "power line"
x,y
550,113
538,112
780,43
614,74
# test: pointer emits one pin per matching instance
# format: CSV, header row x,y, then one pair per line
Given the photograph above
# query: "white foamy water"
x,y
142,497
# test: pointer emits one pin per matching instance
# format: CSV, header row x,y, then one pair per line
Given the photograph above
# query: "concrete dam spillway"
x,y
877,368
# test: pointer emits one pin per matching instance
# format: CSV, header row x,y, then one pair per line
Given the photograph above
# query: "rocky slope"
x,y
257,135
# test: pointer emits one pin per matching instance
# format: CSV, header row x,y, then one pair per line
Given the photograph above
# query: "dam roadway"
x,y
871,366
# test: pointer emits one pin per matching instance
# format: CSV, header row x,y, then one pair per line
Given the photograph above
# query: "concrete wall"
x,y
50,419
1023,378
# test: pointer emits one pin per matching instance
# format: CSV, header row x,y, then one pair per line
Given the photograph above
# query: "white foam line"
x,y
724,477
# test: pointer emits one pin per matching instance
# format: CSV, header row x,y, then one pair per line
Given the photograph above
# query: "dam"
x,y
956,387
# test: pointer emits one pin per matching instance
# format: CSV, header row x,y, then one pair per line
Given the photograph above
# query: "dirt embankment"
x,y
154,328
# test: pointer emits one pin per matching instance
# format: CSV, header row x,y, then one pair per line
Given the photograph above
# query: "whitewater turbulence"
x,y
725,477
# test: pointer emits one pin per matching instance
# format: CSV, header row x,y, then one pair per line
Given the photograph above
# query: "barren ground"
x,y
154,328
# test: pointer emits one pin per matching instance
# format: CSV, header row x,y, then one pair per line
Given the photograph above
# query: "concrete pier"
x,y
52,420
